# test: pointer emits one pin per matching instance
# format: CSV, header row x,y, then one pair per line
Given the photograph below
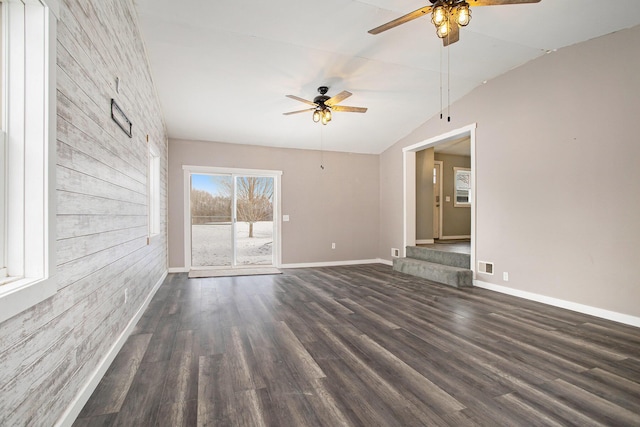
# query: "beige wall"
x,y
558,174
456,221
424,194
338,204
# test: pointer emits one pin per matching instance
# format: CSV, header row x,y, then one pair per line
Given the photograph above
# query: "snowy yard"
x,y
211,244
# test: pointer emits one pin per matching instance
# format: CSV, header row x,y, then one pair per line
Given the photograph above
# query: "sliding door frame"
x,y
188,170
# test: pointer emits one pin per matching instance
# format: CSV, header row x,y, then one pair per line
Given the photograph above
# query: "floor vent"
x,y
485,267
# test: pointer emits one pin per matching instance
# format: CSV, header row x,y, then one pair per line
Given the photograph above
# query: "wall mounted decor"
x,y
120,118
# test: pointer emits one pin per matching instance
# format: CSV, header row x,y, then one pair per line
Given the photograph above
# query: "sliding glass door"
x,y
211,220
232,220
254,220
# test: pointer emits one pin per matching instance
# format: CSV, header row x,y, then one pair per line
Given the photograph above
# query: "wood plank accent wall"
x,y
49,352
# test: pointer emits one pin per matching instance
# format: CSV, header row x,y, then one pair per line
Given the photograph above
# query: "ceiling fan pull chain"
x,y
321,149
441,107
448,85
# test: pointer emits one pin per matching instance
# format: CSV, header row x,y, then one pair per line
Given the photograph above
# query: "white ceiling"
x,y
222,68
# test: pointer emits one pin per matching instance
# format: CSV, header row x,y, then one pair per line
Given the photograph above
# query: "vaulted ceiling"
x,y
222,68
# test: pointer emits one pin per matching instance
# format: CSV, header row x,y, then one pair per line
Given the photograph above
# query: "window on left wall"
x,y
154,191
27,171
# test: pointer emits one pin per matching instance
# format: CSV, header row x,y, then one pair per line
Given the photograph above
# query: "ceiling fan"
x,y
447,15
324,105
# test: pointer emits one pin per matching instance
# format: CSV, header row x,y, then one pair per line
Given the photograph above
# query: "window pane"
x,y
463,180
211,220
154,193
462,187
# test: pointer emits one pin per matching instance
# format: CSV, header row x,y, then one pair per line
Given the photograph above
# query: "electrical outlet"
x,y
333,246
126,295
395,252
505,276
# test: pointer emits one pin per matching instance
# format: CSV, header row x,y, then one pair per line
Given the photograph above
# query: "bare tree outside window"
x,y
254,200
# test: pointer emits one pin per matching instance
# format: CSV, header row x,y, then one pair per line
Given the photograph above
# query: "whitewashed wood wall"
x,y
48,353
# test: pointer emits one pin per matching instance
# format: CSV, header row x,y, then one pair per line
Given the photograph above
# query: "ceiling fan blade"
x,y
498,2
398,21
344,108
297,98
296,112
338,98
454,33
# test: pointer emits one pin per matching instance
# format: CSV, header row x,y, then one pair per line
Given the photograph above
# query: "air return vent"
x,y
485,267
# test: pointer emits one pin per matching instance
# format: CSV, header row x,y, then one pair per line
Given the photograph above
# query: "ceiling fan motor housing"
x,y
322,98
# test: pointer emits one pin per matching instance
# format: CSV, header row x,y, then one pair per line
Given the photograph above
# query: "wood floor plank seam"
x,y
364,346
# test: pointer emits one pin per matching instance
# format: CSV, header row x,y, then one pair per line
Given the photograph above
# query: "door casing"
x,y
277,220
409,186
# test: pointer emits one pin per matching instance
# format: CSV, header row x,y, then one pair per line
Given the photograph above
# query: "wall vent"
x,y
485,267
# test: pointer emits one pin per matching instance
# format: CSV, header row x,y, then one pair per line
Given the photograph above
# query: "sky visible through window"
x,y
220,185
213,184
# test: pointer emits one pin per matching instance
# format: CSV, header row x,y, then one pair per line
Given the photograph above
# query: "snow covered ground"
x,y
211,244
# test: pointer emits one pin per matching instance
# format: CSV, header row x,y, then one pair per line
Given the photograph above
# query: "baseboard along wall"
x,y
556,302
336,263
72,412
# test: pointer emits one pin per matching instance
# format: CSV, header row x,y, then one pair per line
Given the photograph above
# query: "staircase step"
x,y
453,259
445,274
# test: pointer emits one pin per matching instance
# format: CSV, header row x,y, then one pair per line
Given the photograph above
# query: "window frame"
x,y
154,191
3,261
457,204
29,120
3,242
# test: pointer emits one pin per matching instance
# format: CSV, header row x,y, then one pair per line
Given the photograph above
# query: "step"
x,y
453,259
445,274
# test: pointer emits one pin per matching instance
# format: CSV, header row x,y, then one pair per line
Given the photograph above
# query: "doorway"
x,y
231,218
409,202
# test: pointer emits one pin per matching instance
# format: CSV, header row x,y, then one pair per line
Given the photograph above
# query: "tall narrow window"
x,y
462,187
154,191
27,171
3,242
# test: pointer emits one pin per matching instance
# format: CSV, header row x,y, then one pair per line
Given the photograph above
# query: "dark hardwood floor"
x,y
364,346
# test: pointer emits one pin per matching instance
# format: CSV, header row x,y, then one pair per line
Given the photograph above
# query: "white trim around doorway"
x,y
409,185
277,205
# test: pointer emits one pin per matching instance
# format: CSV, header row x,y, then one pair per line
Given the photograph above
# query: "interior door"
x,y
437,189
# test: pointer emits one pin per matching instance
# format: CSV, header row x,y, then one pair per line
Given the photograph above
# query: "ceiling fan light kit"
x,y
323,105
447,16
443,14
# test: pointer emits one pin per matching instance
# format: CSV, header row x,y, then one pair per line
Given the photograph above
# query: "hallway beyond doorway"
x,y
459,246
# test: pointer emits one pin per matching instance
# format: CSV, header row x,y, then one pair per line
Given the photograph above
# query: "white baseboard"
x,y
454,237
71,413
310,264
573,306
425,242
333,263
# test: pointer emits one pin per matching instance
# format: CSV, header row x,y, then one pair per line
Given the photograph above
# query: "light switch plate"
x,y
285,218
447,199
